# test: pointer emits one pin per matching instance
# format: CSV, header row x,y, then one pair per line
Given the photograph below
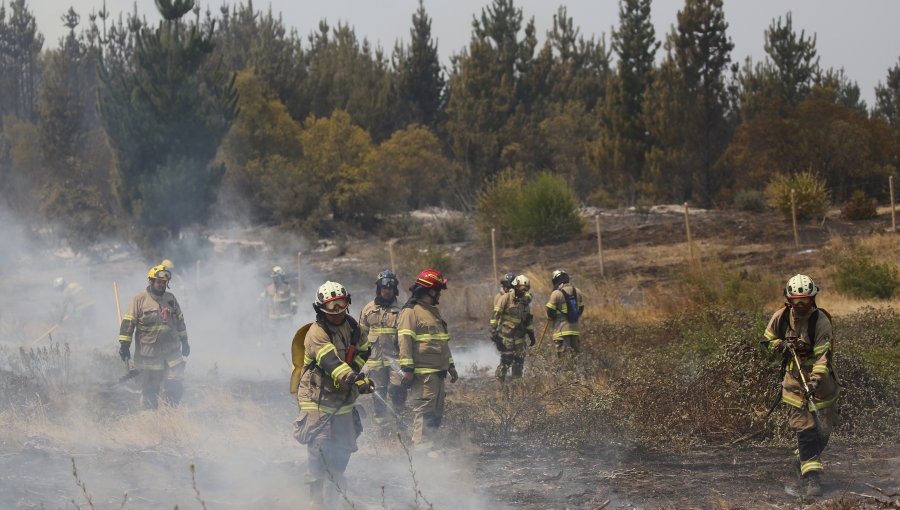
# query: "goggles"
x,y
387,282
800,301
337,305
163,274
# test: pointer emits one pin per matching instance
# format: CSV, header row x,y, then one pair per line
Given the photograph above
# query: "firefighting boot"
x,y
317,494
812,485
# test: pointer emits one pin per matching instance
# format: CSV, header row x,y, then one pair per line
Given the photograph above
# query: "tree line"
x,y
144,128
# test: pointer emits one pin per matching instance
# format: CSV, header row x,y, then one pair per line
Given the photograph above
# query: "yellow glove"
x,y
364,385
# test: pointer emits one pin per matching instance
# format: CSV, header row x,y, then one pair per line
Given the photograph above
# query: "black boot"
x,y
813,488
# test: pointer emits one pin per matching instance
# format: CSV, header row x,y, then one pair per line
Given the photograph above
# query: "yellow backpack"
x,y
298,352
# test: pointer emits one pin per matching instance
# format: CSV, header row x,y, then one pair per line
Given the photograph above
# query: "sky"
x,y
860,36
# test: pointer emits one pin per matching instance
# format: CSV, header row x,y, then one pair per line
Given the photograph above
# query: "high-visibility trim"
x,y
510,318
770,336
551,306
821,349
154,329
307,360
792,400
365,346
773,344
375,363
127,317
175,362
494,322
427,370
825,404
182,334
323,351
384,331
405,361
341,369
811,465
440,337
124,338
407,332
359,361
313,406
451,361
496,309
566,333
820,368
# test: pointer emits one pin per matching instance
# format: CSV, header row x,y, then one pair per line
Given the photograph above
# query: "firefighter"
x,y
281,301
511,322
802,332
75,303
335,353
378,322
425,356
564,308
505,288
155,321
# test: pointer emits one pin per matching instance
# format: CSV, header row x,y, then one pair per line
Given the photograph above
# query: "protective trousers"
x,y
513,357
428,399
387,385
170,380
812,431
330,440
566,343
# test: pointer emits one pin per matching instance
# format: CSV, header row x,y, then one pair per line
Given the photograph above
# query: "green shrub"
x,y
811,196
435,257
749,200
859,207
453,230
858,275
541,211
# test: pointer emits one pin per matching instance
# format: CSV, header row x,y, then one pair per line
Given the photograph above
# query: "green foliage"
x,y
887,97
541,211
859,207
435,256
420,81
810,195
749,200
857,274
793,57
166,112
82,211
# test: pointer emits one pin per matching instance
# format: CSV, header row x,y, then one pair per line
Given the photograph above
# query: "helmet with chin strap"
x,y
800,286
331,298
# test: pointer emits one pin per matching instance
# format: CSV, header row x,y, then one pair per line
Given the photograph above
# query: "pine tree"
x,y
165,115
20,48
887,97
420,81
795,63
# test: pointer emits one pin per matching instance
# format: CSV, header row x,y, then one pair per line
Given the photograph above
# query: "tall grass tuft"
x,y
811,195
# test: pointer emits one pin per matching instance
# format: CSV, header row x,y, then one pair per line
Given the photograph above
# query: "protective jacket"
x,y
512,318
557,308
424,340
281,302
75,299
378,323
496,308
324,386
157,325
814,350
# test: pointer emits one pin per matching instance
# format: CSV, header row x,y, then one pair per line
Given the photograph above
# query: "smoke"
x,y
61,399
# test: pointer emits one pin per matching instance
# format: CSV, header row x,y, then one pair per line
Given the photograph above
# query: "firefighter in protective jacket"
x,y
378,323
511,322
802,334
425,356
281,302
566,332
332,379
155,321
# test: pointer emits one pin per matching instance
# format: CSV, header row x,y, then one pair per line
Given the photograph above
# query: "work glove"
x,y
453,374
407,379
531,338
498,341
185,348
364,385
812,384
125,350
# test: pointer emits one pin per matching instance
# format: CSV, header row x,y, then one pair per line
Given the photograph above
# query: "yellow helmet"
x,y
168,263
159,272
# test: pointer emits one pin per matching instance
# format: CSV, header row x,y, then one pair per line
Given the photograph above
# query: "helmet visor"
x,y
336,305
387,282
163,274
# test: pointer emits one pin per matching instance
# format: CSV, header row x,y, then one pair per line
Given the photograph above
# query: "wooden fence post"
x,y
687,227
794,219
599,243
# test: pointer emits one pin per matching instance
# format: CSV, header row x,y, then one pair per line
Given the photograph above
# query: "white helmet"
x,y
277,271
520,280
332,298
800,286
59,282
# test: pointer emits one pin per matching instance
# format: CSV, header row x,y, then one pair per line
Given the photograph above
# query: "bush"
x,y
435,257
859,207
858,275
749,200
540,211
812,198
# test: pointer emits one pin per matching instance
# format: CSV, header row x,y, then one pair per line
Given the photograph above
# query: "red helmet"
x,y
431,279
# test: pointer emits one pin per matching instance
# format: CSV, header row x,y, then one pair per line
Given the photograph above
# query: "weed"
x,y
412,474
810,194
857,274
193,469
81,485
859,207
749,200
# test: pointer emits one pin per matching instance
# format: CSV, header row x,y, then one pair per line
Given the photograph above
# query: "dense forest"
x,y
126,127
